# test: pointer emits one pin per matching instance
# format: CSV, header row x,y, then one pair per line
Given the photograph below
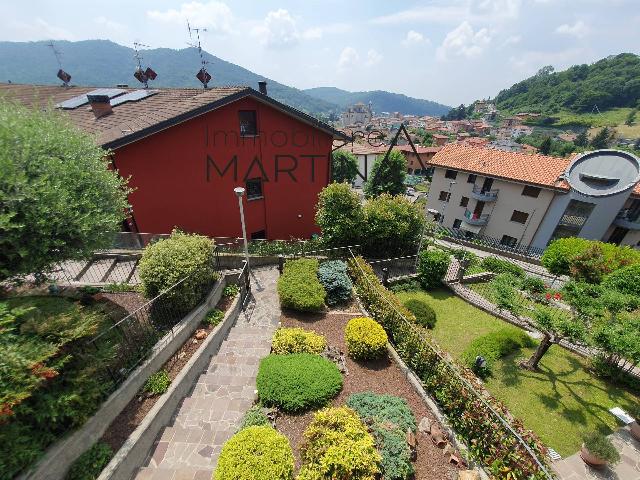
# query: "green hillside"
x,y
613,82
381,101
103,63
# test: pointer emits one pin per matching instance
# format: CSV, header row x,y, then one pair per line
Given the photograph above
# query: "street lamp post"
x,y
239,191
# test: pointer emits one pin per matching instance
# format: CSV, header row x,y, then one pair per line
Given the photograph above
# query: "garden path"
x,y
573,468
189,448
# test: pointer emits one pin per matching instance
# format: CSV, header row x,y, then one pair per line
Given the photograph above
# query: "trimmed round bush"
x,y
297,382
299,287
425,315
494,346
255,453
333,277
297,340
365,338
166,262
432,267
337,445
625,280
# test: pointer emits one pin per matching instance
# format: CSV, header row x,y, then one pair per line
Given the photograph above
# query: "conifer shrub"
x,y
256,453
299,288
333,277
365,339
375,408
297,340
297,382
255,416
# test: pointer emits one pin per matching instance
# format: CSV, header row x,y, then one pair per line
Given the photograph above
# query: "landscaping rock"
x,y
413,445
334,355
201,334
438,437
424,426
469,475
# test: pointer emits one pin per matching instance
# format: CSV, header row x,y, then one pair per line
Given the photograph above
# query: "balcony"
x,y
625,219
574,221
475,218
484,195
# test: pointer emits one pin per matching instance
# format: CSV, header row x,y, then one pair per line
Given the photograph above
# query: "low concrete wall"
x,y
59,457
133,453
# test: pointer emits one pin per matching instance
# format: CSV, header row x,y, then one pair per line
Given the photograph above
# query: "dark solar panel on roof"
x,y
80,100
133,96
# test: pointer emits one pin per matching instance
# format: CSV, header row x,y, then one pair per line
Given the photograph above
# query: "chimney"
x,y
100,104
262,86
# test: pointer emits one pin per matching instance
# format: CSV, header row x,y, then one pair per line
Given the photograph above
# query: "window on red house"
x,y
248,123
254,188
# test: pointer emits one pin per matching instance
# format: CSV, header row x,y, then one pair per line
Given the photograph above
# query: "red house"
x,y
186,149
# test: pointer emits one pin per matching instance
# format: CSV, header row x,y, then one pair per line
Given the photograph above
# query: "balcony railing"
x,y
484,195
476,218
576,221
627,219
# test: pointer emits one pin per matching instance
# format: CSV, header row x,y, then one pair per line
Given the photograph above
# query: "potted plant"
x,y
635,426
598,451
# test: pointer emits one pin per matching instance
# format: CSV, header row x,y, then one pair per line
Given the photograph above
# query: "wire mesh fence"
x,y
470,239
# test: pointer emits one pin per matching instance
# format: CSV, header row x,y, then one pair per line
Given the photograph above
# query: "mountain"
x,y
104,63
608,83
381,101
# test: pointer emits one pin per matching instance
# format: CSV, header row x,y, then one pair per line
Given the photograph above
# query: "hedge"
x,y
333,277
490,441
255,453
625,280
166,262
299,287
432,267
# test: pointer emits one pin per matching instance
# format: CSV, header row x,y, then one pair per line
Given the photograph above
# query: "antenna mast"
x,y
143,76
62,75
202,74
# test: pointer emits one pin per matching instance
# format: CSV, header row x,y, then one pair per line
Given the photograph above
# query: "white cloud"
x,y
463,41
278,30
110,24
38,29
512,40
312,33
579,29
215,16
528,63
414,38
452,11
349,57
373,58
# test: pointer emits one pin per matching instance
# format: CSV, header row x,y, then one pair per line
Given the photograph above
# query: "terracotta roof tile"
x,y
531,169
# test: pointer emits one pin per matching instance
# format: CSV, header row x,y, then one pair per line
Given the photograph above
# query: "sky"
x,y
453,51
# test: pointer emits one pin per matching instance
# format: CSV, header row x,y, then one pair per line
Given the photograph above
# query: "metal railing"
x,y
476,218
477,190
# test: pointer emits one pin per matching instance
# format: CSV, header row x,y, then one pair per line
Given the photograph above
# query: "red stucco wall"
x,y
169,169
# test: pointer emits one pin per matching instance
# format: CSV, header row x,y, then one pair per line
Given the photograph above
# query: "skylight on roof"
x,y
80,100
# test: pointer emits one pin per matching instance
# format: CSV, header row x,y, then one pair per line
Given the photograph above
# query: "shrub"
x,y
333,277
299,287
493,346
214,317
391,442
425,315
297,340
158,383
599,445
591,265
337,445
504,294
432,267
90,464
374,408
387,177
392,226
405,286
339,215
533,285
344,166
255,416
625,280
166,262
256,453
498,265
365,338
297,382
558,255
231,290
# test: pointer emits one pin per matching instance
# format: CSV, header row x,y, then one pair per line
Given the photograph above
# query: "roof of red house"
x,y
133,120
531,169
366,149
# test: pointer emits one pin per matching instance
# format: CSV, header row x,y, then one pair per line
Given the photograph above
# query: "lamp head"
x,y
239,191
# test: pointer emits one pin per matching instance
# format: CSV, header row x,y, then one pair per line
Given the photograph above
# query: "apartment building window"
x,y
529,191
575,216
259,235
509,241
456,223
471,178
444,196
248,123
254,188
452,174
519,217
464,201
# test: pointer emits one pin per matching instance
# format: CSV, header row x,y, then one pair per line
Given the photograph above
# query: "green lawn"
x,y
558,403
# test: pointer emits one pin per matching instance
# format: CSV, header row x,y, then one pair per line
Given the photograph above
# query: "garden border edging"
x,y
59,457
135,450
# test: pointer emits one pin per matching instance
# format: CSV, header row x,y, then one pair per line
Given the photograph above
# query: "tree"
x,y
545,146
631,118
432,267
387,176
582,140
58,198
344,166
602,138
339,215
427,139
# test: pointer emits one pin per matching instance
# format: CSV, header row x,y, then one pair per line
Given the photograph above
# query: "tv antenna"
x,y
202,74
142,75
62,75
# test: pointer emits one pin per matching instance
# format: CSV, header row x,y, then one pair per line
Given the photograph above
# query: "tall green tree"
x,y
344,166
339,215
601,139
582,140
59,200
387,176
545,146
